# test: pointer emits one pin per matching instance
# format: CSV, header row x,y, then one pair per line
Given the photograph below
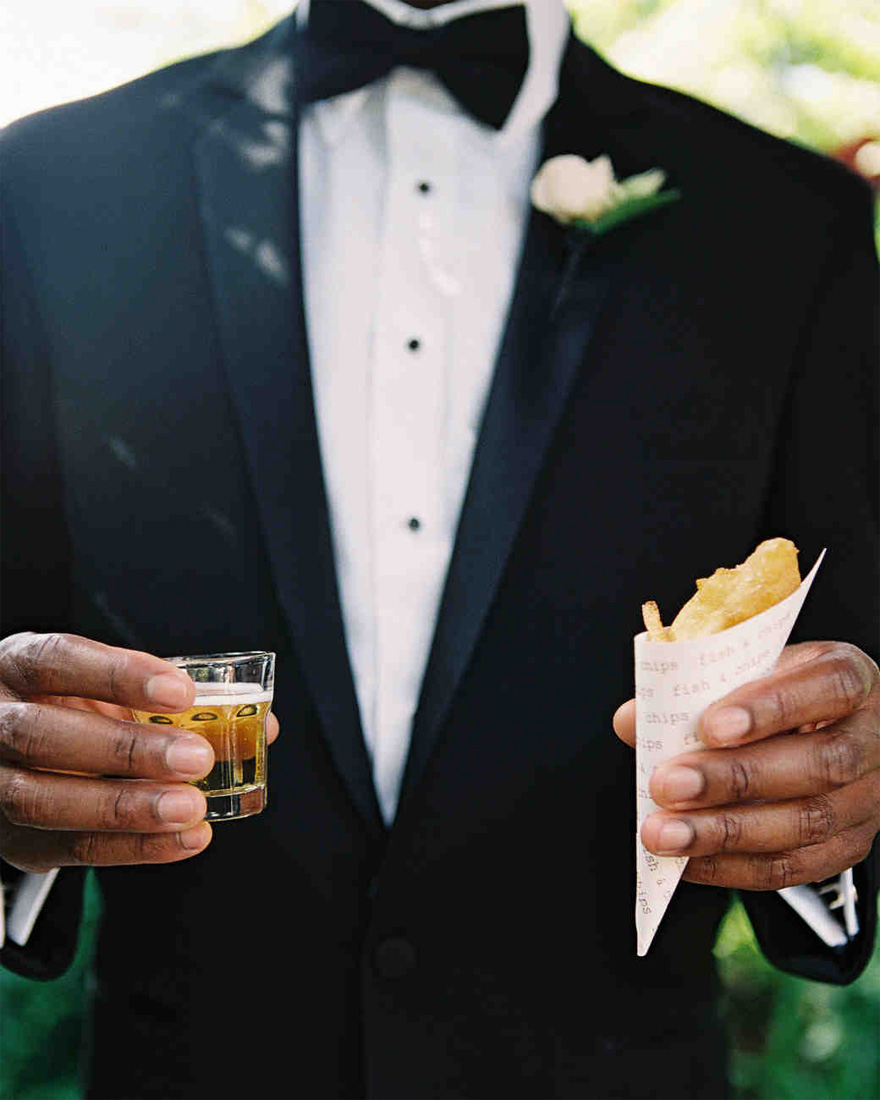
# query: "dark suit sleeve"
x,y
34,572
53,942
792,946
825,494
34,560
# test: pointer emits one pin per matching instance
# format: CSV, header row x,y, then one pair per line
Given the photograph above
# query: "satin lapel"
x,y
246,166
563,282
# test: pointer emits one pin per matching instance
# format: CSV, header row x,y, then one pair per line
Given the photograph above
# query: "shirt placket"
x,y
409,397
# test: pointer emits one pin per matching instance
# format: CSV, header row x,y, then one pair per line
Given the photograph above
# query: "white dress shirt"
x,y
412,216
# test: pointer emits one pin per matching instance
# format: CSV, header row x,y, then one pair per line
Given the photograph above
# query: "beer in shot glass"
x,y
231,709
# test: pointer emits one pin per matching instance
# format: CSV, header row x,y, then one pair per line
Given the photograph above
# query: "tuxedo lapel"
x,y
562,284
246,165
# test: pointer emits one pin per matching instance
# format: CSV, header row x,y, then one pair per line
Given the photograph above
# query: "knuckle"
x,y
740,780
852,675
13,649
84,849
777,705
115,669
729,827
155,847
778,871
816,821
27,653
24,731
124,748
840,761
40,647
10,728
708,869
19,798
863,845
119,810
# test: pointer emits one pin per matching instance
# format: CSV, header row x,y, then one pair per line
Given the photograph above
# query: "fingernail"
x,y
196,838
679,784
189,756
168,690
674,837
179,807
729,724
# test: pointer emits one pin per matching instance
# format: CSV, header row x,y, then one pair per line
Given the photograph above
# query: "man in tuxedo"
x,y
289,363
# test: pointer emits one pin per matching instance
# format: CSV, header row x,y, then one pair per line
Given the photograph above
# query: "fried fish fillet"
x,y
730,596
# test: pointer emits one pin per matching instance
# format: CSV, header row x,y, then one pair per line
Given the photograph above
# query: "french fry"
x,y
653,623
730,596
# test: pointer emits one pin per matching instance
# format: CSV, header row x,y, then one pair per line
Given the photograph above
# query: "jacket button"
x,y
394,958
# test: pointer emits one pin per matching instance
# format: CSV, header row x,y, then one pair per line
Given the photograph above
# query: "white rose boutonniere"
x,y
586,193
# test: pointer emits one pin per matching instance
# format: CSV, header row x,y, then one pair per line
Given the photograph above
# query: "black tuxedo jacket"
x,y
702,378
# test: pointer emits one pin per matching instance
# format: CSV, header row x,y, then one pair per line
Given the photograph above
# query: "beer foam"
x,y
219,694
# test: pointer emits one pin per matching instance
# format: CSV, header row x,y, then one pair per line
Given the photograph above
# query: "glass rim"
x,y
220,659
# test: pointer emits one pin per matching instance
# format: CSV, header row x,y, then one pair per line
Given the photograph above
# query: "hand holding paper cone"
x,y
744,808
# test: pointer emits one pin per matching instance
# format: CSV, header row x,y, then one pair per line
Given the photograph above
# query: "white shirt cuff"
x,y
24,907
820,905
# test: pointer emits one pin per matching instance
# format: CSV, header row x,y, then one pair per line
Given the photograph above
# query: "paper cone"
x,y
675,682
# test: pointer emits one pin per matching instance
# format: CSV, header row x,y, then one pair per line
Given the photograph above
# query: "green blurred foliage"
x,y
792,1039
808,71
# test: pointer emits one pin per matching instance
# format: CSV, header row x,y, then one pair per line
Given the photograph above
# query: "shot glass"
x,y
231,709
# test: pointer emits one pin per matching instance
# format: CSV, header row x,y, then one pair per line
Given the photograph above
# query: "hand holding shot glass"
x,y
231,711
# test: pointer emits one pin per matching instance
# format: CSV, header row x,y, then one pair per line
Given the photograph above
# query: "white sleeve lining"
x,y
30,895
808,903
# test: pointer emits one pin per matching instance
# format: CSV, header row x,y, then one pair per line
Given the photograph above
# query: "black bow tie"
x,y
482,58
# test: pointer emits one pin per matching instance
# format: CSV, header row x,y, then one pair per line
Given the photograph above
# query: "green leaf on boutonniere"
x,y
626,211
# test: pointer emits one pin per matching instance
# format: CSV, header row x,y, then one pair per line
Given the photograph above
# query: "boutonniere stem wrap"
x,y
587,195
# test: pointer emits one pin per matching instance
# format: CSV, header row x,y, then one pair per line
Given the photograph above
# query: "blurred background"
x,y
805,70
